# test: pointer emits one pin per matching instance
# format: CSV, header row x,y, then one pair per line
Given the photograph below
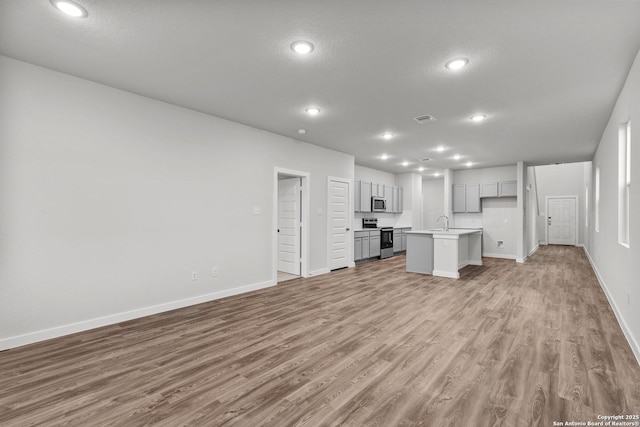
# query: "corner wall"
x,y
110,200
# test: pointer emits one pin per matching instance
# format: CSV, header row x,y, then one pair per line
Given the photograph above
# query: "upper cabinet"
x,y
362,196
499,189
489,190
459,198
363,191
466,198
508,189
473,198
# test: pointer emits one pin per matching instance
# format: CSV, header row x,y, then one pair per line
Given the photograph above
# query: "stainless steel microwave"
x,y
378,204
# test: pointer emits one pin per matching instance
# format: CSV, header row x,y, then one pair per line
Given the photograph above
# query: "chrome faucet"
x,y
445,222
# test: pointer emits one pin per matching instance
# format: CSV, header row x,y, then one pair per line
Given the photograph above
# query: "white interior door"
x,y
289,222
338,223
561,221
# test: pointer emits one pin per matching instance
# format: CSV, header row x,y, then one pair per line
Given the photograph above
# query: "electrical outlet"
x,y
214,272
194,275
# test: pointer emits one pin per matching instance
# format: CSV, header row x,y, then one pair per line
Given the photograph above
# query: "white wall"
x,y
499,216
433,202
110,200
617,266
561,180
374,175
411,215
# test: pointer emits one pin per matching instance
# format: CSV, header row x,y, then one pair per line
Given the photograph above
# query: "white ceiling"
x,y
546,73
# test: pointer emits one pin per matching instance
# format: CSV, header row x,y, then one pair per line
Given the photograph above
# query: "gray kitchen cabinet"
x,y
394,199
356,196
459,198
489,190
357,248
397,239
374,243
363,247
508,189
366,250
473,198
400,199
365,196
466,198
388,195
377,190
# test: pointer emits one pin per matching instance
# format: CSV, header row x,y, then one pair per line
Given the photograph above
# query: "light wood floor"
x,y
507,344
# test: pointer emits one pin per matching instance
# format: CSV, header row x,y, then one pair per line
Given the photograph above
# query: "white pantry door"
x,y
561,221
339,224
289,225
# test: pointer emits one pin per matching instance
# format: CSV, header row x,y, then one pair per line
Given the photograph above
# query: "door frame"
x,y
349,255
305,212
546,217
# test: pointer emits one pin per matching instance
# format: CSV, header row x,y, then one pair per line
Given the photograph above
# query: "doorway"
x,y
290,225
339,217
562,220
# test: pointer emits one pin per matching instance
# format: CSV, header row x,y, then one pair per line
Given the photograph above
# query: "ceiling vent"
x,y
426,159
425,118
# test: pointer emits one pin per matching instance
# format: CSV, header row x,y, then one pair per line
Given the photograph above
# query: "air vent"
x,y
425,118
426,159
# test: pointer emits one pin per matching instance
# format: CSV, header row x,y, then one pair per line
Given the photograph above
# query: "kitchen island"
x,y
443,252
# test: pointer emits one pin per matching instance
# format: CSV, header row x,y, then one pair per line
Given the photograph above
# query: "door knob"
x,y
348,229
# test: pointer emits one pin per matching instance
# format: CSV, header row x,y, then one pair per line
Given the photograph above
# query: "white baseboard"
x,y
635,347
85,325
320,271
534,250
521,260
490,255
446,274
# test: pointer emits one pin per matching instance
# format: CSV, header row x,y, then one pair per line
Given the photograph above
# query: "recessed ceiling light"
x,y
456,64
478,117
420,169
387,135
469,164
302,47
436,174
440,149
384,157
70,8
302,131
312,111
405,163
456,157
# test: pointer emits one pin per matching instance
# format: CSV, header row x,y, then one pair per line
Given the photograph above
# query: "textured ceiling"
x,y
545,73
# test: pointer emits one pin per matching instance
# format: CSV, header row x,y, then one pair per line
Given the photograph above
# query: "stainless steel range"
x,y
386,236
386,242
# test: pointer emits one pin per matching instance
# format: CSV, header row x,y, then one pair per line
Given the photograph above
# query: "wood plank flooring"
x,y
506,345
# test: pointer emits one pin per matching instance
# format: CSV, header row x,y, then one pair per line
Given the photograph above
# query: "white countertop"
x,y
450,232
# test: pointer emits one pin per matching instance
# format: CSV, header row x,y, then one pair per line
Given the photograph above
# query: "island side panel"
x,y
445,256
475,248
463,251
420,253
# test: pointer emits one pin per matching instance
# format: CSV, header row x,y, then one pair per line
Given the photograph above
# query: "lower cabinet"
x,y
400,239
366,244
374,245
